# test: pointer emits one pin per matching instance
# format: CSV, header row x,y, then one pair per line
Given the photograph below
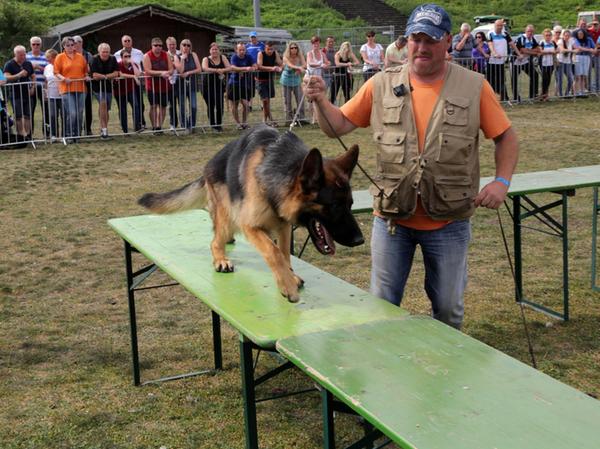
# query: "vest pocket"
x,y
454,149
390,157
394,198
451,196
392,109
456,111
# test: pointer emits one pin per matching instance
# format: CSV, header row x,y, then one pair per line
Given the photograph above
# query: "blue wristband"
x,y
504,181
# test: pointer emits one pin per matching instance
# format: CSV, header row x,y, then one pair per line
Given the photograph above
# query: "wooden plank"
x,y
248,298
426,385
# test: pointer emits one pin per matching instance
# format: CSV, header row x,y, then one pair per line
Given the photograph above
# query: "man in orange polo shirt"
x,y
71,69
426,119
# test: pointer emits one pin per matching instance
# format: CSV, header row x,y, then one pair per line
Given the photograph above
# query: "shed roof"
x,y
109,17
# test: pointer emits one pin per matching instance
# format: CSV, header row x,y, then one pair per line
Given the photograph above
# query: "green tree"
x,y
18,22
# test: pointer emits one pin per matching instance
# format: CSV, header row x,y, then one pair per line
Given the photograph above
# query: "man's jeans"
x,y
73,104
445,259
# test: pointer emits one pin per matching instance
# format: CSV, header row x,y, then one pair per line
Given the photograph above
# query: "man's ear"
x,y
311,173
348,160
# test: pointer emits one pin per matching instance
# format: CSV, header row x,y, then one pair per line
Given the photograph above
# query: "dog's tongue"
x,y
321,238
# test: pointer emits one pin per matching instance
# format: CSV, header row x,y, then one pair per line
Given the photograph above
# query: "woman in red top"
x,y
158,67
128,90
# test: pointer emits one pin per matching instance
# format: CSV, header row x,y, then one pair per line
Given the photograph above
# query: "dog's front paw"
x,y
299,280
291,295
289,288
223,266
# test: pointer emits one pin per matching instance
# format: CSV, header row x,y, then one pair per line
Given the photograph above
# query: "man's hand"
x,y
314,88
492,195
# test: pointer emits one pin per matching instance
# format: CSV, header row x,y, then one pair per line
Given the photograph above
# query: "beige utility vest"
x,y
446,173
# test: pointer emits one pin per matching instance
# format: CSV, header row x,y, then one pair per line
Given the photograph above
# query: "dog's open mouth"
x,y
321,237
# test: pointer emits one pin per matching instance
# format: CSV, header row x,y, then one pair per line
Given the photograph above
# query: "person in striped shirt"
x,y
39,62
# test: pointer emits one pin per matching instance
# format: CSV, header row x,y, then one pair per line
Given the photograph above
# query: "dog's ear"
x,y
348,160
312,174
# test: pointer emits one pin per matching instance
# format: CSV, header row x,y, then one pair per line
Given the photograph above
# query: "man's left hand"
x,y
492,195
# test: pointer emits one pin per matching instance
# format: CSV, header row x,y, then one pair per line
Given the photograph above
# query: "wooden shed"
x,y
142,23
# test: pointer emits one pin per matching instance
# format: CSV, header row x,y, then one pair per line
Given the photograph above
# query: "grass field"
x,y
65,378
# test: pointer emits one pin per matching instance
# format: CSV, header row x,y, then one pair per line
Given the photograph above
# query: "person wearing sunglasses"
x,y
39,62
291,78
158,67
188,67
128,90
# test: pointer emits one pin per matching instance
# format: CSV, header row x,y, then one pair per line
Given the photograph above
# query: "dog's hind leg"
x,y
276,260
284,242
223,232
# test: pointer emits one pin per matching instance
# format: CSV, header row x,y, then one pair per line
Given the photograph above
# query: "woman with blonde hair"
x,y
188,66
344,59
293,67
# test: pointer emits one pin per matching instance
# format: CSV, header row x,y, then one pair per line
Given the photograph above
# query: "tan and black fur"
x,y
262,184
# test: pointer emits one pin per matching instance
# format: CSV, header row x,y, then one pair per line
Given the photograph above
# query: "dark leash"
x,y
517,290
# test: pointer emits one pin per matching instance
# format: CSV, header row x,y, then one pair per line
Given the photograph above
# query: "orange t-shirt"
x,y
75,68
493,122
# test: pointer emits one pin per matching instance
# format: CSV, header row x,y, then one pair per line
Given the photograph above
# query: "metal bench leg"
x,y
217,351
594,238
132,320
248,388
328,424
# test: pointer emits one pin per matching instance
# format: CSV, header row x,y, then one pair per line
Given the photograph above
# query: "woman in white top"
x,y
315,59
53,94
372,55
565,63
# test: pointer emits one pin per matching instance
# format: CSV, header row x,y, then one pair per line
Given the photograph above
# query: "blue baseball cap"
x,y
430,19
252,34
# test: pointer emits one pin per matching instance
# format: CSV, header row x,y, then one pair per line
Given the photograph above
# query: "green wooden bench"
x,y
563,182
247,299
425,385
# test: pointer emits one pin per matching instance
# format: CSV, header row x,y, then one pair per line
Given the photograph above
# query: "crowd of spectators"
x,y
171,78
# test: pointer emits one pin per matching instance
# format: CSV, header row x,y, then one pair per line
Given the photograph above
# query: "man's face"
x,y
241,50
330,42
157,48
126,41
20,56
595,25
498,25
268,50
427,55
104,53
36,47
78,46
529,32
253,39
172,46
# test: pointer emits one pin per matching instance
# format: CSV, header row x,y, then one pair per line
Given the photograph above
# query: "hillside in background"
x,y
541,13
289,14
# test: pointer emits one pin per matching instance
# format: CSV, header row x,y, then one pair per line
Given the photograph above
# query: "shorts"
x,y
582,66
266,89
104,96
21,107
157,98
237,92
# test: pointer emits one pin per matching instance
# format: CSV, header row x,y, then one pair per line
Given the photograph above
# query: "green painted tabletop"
x,y
428,386
248,298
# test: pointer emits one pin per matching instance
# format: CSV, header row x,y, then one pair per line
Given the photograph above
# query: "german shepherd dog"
x,y
263,184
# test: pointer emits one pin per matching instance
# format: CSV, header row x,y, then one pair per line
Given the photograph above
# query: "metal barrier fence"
x,y
31,114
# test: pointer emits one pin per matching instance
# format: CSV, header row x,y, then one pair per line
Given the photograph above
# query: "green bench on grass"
x,y
400,373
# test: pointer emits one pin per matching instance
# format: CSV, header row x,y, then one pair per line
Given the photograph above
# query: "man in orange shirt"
x,y
426,118
71,69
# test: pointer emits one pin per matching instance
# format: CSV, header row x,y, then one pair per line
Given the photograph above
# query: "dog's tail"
x,y
190,196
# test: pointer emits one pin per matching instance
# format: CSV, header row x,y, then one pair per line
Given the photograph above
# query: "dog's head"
x,y
328,213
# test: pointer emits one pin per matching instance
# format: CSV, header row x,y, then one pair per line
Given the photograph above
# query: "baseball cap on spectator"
x,y
430,19
252,34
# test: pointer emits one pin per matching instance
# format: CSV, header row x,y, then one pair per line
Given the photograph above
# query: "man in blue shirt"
x,y
253,48
240,87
